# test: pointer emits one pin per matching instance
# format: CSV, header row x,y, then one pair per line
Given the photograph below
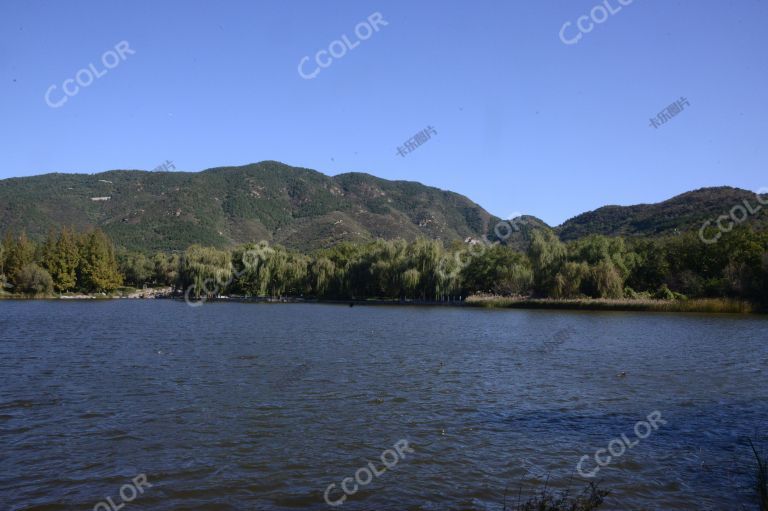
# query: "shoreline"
x,y
699,305
705,305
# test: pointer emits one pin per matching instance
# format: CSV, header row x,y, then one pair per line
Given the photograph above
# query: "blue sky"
x,y
524,122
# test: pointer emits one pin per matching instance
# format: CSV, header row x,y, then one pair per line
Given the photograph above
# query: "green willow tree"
x,y
321,273
672,267
249,264
166,268
204,270
137,269
547,254
499,270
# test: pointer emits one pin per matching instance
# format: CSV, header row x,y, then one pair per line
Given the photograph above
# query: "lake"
x,y
265,406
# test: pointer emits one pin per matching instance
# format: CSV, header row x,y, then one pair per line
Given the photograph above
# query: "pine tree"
x,y
6,244
68,258
19,253
98,270
3,278
48,253
59,256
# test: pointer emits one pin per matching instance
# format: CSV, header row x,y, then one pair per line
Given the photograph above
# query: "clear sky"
x,y
524,122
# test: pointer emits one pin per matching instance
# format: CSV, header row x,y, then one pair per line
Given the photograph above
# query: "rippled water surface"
x,y
262,407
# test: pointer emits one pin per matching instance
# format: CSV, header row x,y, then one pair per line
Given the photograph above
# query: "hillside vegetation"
x,y
685,212
222,207
304,210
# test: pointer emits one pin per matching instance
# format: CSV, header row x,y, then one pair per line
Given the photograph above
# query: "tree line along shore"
x,y
674,273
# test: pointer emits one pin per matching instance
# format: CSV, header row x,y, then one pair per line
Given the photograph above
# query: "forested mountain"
x,y
304,209
284,231
685,212
298,208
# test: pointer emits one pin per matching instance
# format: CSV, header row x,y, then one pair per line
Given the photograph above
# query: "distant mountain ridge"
x,y
305,209
684,212
299,208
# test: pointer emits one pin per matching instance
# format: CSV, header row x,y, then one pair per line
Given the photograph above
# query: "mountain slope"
x,y
684,212
305,209
297,207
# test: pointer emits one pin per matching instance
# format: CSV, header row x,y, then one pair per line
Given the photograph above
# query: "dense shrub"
x,y
33,279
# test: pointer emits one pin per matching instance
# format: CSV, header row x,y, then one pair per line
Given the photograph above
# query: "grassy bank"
x,y
707,305
711,305
122,292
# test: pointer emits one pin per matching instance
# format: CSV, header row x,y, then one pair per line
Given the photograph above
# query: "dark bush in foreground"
x,y
590,498
762,478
